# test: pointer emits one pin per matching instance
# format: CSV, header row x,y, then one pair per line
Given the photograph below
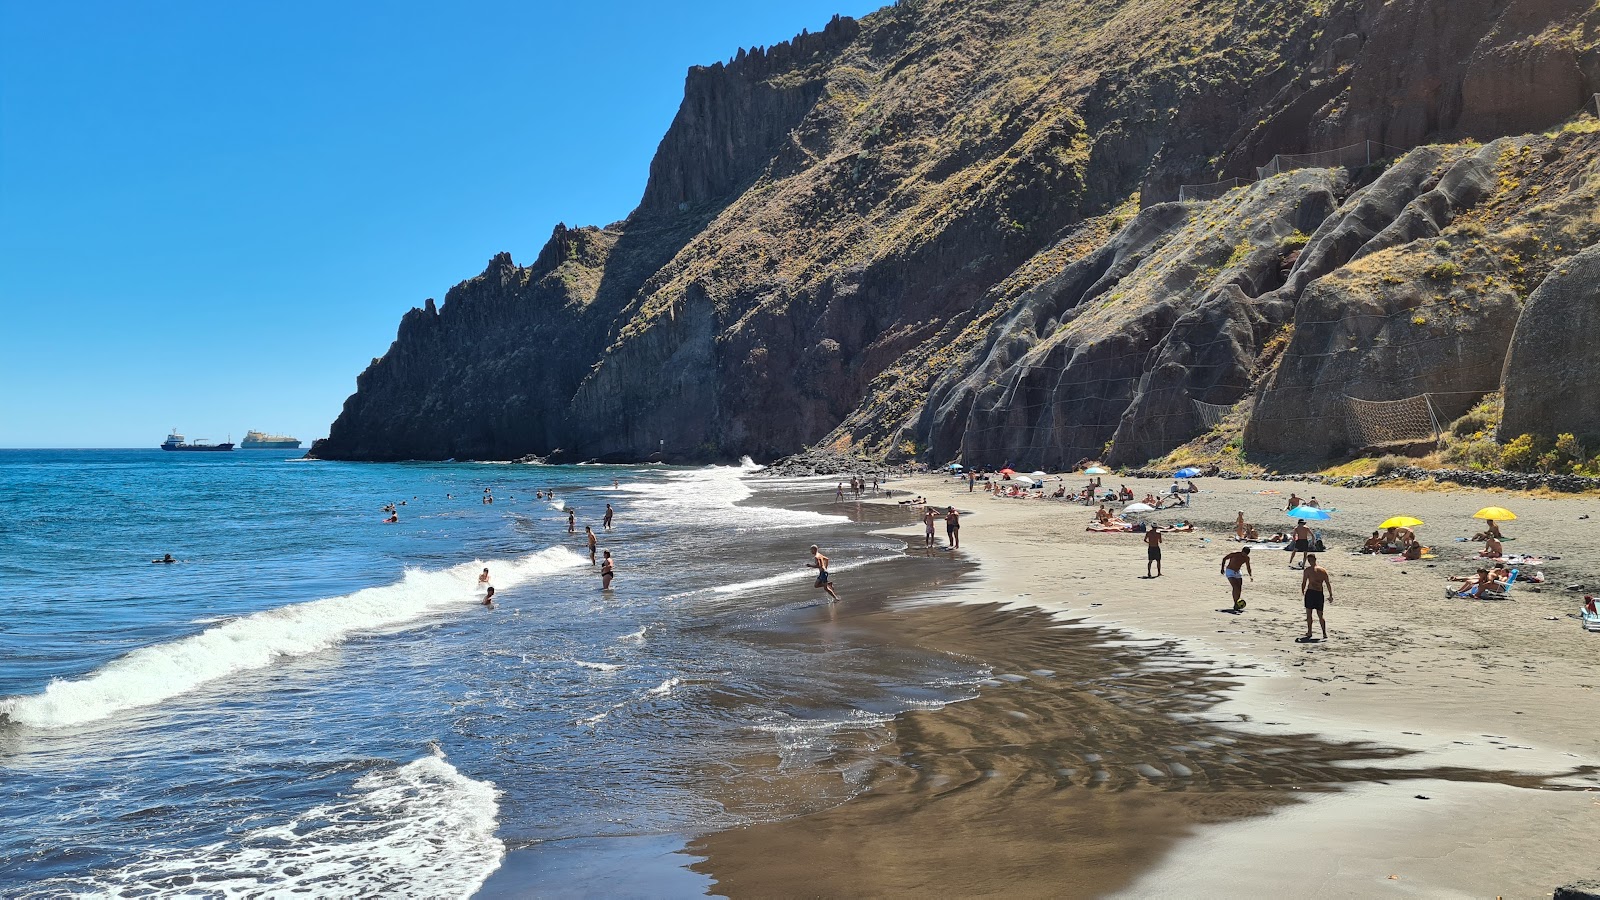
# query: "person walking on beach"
x,y
1152,540
606,522
572,521
928,540
588,531
1301,537
1316,587
952,528
1233,565
608,568
820,563
972,481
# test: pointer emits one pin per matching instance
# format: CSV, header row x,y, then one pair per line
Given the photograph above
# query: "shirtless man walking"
x,y
608,568
1152,540
928,517
1300,543
572,521
1316,587
606,522
820,563
1233,565
588,531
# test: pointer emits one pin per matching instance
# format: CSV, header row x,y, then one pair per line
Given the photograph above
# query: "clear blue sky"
x,y
213,214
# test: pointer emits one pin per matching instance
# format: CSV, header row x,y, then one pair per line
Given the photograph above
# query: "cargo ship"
x,y
256,440
175,441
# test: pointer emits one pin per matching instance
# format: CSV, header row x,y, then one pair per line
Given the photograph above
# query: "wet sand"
x,y
1138,741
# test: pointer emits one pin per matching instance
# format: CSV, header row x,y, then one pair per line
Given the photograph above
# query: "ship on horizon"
x,y
258,440
175,441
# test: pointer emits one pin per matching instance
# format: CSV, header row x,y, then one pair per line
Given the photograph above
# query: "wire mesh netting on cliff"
x,y
1374,423
1211,415
1364,153
1202,192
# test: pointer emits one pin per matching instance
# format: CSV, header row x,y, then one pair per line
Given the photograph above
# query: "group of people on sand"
x,y
952,526
1316,588
1106,520
1394,540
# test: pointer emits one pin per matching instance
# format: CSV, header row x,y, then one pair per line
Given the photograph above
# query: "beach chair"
x,y
1503,592
1500,592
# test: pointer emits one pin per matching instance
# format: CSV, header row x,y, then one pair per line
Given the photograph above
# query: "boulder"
x,y
1552,372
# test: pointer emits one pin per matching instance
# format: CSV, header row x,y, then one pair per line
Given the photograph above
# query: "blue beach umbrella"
x,y
1307,512
955,466
1187,472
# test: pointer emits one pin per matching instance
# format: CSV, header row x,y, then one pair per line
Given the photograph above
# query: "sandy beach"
x,y
1431,747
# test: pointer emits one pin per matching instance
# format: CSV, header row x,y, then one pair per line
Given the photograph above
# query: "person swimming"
x,y
488,598
165,559
484,578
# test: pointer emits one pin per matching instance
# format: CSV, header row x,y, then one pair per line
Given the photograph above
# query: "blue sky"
x,y
212,215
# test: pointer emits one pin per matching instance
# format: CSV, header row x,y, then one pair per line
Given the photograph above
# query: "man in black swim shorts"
x,y
1316,587
1301,537
820,563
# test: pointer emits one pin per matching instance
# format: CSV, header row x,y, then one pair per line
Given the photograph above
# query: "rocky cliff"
x,y
953,228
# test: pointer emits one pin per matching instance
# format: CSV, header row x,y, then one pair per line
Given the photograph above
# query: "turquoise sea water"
x,y
312,700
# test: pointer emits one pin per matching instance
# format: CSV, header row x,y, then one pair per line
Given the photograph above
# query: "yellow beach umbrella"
x,y
1400,522
1497,513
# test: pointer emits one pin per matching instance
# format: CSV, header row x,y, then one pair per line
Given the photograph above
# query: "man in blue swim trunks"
x,y
1233,565
820,563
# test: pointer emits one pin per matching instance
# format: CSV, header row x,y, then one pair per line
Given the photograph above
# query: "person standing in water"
x,y
572,521
952,528
928,518
484,578
1233,565
588,531
1152,540
608,568
820,563
606,523
488,598
1317,588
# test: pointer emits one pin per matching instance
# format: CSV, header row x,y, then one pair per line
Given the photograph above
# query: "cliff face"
x,y
948,229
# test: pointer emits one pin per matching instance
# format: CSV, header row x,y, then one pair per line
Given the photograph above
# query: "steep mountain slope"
x,y
921,233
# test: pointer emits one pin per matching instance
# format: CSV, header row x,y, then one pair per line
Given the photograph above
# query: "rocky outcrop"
x,y
944,230
1555,355
1588,889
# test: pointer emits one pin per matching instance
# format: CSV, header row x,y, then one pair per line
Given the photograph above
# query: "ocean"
x,y
311,701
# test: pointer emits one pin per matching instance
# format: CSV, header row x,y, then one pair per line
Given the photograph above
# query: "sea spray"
x,y
422,829
150,675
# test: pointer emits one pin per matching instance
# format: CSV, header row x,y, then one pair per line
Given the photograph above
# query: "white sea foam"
x,y
664,689
800,573
634,637
420,830
598,666
149,675
713,493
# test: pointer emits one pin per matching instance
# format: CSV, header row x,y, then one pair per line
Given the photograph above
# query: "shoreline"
x,y
1423,679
